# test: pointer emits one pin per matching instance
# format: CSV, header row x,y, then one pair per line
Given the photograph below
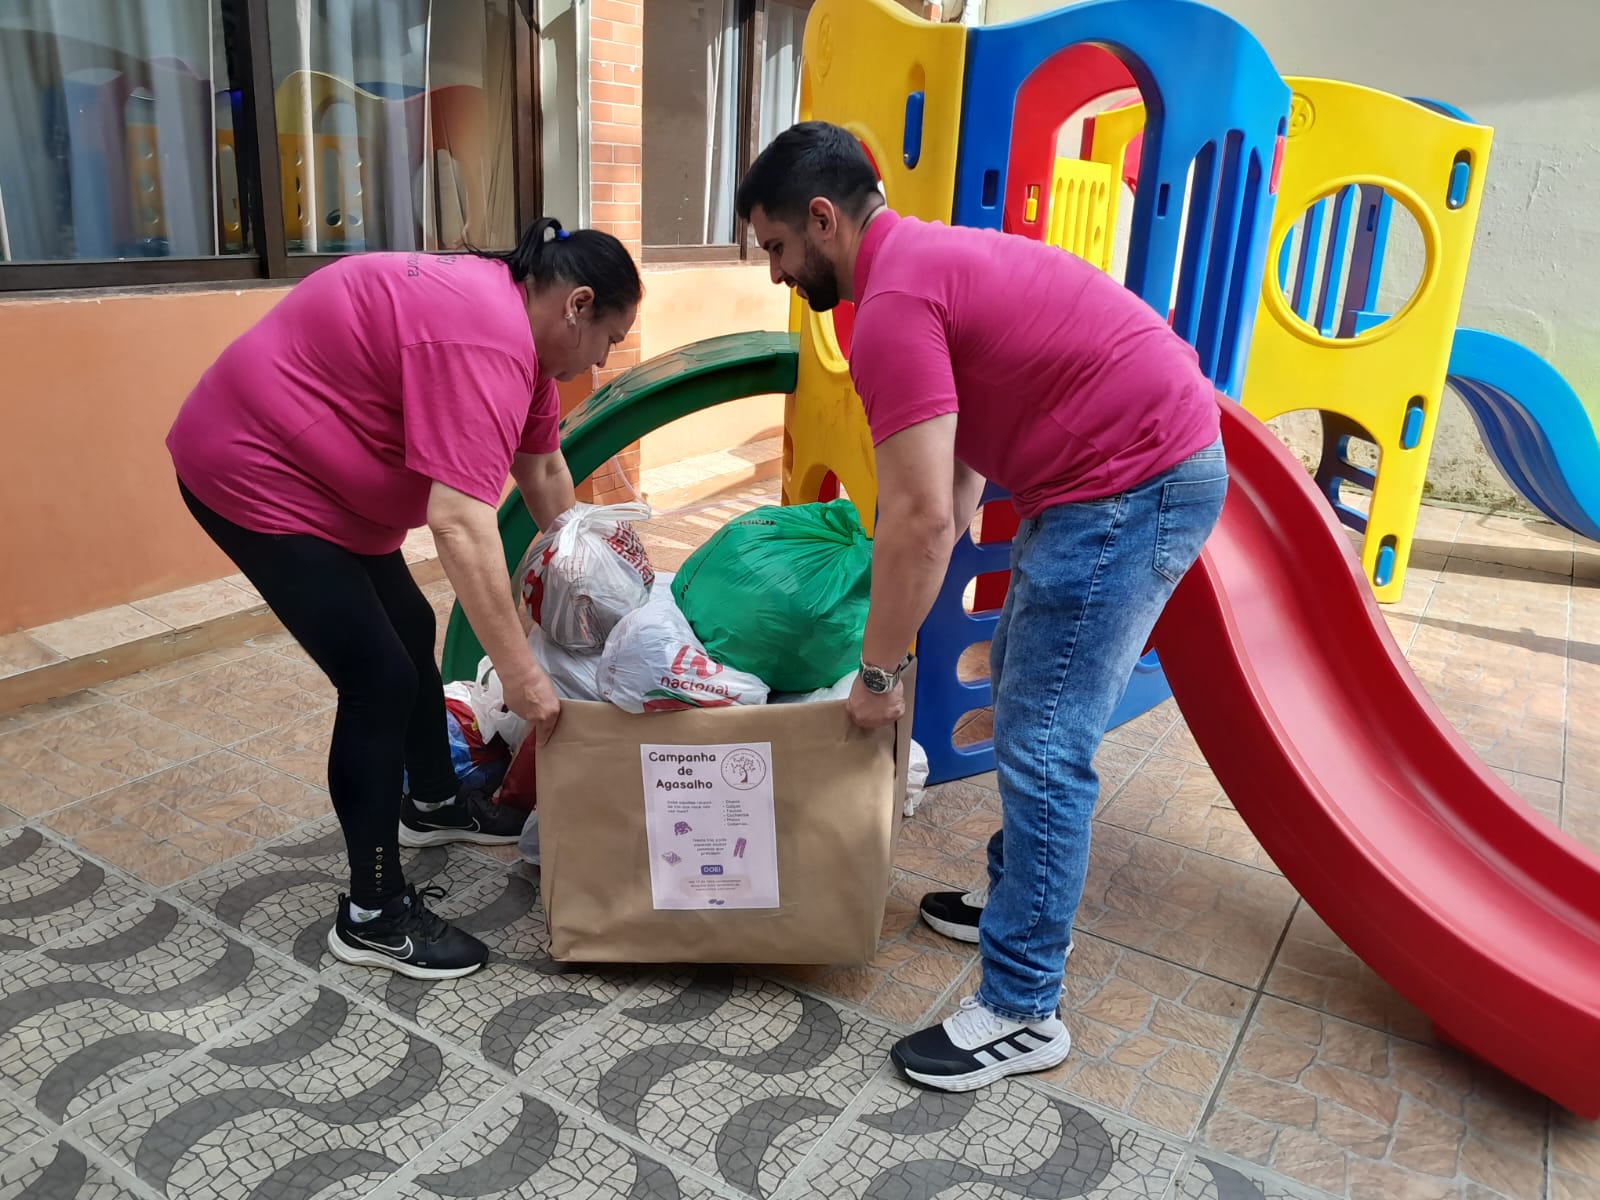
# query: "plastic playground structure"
x,y
1261,223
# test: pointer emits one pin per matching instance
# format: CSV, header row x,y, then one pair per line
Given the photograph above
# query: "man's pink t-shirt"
x,y
375,376
1067,386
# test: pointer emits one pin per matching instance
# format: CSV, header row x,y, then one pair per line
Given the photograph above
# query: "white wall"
x,y
1530,70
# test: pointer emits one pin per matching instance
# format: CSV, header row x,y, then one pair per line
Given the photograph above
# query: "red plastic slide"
x,y
1447,884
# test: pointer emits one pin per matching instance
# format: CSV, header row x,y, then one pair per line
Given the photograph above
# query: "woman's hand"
x,y
468,537
533,698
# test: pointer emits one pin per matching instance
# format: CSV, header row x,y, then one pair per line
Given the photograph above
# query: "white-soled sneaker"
x,y
953,914
471,818
975,1047
407,938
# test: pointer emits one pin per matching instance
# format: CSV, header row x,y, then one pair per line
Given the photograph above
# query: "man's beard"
x,y
822,289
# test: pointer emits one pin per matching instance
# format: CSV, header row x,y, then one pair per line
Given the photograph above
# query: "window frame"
x,y
752,56
271,261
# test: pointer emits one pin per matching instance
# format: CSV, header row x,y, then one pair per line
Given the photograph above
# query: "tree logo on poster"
x,y
743,769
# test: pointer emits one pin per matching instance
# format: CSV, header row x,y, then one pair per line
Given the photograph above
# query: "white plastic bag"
x,y
585,573
487,699
654,663
576,675
916,779
528,843
834,691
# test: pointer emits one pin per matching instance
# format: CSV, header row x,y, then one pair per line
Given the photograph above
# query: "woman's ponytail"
x,y
547,255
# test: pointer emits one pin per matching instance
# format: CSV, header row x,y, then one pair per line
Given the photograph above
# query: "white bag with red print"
x,y
654,663
585,573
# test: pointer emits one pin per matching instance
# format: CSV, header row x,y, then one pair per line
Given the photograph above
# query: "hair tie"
x,y
562,235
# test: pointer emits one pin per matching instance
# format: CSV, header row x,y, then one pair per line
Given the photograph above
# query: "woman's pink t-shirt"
x,y
375,376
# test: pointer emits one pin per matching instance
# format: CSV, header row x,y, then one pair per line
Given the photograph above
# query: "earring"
x,y
572,319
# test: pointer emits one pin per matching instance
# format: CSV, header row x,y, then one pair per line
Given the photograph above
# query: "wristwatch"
x,y
878,681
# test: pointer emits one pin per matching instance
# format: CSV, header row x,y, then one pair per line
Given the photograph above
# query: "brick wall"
x,y
616,57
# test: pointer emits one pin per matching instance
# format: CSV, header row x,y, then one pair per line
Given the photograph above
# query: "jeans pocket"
x,y
1188,513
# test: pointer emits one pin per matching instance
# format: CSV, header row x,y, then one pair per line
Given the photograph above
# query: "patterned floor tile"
x,y
284,894
948,839
1527,545
1179,801
237,700
1149,1039
79,1020
1208,1179
1348,1109
1007,1140
59,1170
18,1128
526,1150
1188,907
1574,1157
913,968
733,1075
46,890
1580,816
522,1003
299,749
321,1093
69,757
177,822
1316,969
176,669
57,706
1147,729
1509,703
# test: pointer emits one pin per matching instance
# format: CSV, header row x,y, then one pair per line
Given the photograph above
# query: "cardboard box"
x,y
612,890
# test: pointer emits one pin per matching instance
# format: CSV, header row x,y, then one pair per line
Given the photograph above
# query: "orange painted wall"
x,y
688,303
88,388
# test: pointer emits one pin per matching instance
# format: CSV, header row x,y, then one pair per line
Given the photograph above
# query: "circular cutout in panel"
x,y
1354,259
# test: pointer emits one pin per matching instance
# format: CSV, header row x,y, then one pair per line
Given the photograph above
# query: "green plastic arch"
x,y
656,393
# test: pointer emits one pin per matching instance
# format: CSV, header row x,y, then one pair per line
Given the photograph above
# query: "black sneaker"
x,y
953,914
975,1047
408,938
470,817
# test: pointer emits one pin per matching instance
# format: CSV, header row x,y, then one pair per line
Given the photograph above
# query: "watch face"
x,y
875,679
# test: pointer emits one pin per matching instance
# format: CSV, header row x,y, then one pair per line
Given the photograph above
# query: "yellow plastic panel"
x,y
860,62
1342,134
1082,195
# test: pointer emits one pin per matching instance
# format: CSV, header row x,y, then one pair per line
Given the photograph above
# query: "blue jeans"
x,y
1088,582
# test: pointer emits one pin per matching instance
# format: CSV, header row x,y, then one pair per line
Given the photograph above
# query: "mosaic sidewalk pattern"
x,y
171,1025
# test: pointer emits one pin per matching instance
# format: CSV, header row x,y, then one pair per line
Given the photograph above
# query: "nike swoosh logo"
x,y
470,827
403,950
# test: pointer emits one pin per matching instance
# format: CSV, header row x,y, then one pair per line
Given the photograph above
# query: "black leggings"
x,y
363,620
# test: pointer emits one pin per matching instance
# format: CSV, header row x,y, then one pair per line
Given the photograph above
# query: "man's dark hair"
x,y
803,162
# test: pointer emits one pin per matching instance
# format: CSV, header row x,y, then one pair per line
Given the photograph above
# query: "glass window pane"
x,y
117,131
394,123
780,68
692,62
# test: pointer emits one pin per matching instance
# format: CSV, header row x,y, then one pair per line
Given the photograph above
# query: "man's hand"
x,y
533,698
874,710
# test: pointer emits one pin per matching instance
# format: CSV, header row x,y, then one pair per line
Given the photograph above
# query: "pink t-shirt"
x,y
1066,385
373,377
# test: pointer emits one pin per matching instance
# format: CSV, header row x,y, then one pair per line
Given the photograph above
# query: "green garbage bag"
x,y
782,593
